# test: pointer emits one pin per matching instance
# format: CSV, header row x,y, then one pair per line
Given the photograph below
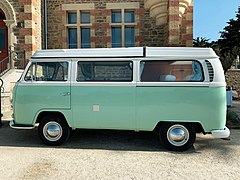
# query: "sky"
x,y
211,16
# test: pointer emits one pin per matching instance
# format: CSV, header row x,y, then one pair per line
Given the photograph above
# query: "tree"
x,y
228,46
227,58
201,42
229,43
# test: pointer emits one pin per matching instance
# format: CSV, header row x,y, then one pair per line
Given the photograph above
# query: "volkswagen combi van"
x,y
175,92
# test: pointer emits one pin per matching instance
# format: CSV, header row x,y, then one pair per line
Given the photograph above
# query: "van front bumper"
x,y
13,125
221,133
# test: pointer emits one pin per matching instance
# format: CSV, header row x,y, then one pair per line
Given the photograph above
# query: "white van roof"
x,y
161,52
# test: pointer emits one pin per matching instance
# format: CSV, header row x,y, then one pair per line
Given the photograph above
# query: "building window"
x,y
79,29
72,38
85,38
3,38
122,25
85,18
72,18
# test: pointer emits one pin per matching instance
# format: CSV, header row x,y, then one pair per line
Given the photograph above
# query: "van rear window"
x,y
168,71
105,71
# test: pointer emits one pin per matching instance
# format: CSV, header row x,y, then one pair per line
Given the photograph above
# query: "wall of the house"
x,y
29,27
147,32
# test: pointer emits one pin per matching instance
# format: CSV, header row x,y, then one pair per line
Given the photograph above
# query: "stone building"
x,y
29,25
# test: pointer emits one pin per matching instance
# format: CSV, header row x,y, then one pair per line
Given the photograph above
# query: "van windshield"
x,y
47,71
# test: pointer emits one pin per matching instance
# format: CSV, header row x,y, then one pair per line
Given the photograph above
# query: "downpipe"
x,y
1,85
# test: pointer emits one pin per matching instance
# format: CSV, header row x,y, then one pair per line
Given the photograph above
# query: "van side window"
x,y
47,71
105,71
167,71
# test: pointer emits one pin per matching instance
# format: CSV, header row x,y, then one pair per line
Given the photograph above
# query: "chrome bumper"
x,y
13,125
221,133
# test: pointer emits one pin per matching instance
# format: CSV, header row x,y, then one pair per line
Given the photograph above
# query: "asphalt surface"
x,y
101,154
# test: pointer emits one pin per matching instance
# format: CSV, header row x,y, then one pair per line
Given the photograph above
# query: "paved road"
x,y
235,107
92,154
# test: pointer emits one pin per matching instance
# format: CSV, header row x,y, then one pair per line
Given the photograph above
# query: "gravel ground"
x,y
98,154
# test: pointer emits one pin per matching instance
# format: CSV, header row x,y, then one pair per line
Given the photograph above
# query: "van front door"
x,y
46,87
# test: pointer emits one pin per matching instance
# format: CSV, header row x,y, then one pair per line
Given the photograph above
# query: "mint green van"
x,y
175,92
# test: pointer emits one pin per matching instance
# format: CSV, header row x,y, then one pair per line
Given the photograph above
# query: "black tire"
x,y
53,130
177,136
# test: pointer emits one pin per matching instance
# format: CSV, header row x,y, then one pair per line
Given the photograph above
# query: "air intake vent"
x,y
210,70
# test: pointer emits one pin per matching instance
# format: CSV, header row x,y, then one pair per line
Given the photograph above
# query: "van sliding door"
x,y
103,95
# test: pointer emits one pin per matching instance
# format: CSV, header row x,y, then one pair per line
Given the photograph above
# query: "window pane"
x,y
116,37
48,71
129,17
85,38
105,71
2,39
72,38
85,17
72,18
168,71
2,17
116,17
129,37
31,71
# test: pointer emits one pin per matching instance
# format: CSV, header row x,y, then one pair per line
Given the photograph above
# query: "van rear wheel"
x,y
53,130
177,137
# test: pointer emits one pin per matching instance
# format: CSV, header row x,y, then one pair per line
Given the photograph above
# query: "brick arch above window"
x,y
8,10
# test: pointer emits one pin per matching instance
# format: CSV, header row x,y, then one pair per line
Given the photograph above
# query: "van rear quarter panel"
x,y
206,105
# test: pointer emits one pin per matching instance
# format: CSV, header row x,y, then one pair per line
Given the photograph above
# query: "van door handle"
x,y
65,94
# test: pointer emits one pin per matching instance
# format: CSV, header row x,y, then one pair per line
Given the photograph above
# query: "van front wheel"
x,y
177,137
53,130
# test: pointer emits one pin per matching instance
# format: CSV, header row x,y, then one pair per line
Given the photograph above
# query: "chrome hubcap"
x,y
178,135
52,131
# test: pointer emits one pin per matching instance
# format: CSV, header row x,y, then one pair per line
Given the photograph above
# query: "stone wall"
x,y
152,34
233,79
27,28
147,33
186,28
180,26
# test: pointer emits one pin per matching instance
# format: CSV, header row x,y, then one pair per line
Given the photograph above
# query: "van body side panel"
x,y
33,98
106,107
206,105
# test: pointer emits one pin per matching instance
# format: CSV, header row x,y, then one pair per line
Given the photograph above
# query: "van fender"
x,y
197,125
66,114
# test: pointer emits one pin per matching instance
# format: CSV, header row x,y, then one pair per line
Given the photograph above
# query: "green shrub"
x,y
233,120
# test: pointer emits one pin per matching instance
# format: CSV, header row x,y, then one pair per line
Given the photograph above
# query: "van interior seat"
x,y
167,77
189,77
